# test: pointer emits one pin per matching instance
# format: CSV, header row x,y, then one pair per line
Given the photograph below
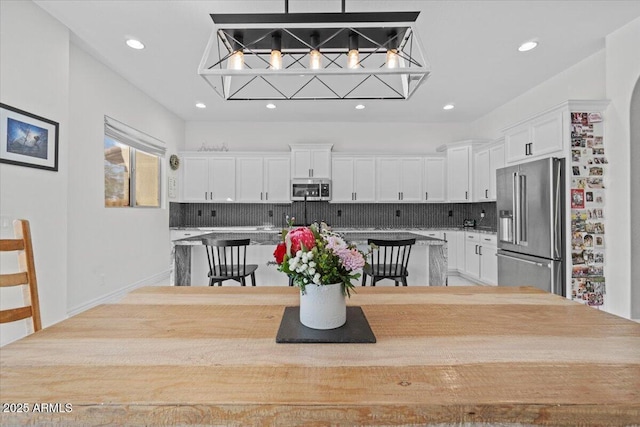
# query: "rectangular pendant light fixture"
x,y
289,56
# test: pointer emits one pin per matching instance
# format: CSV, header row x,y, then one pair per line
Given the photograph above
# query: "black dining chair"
x,y
228,261
388,260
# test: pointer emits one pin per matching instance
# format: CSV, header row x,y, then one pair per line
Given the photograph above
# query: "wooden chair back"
x,y
25,277
228,260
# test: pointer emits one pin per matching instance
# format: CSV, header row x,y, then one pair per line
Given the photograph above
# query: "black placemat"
x,y
356,330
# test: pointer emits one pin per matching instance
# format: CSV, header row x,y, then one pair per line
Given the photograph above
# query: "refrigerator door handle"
x,y
522,210
539,264
516,208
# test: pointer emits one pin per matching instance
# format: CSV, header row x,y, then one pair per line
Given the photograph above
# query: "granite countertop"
x,y
266,229
273,237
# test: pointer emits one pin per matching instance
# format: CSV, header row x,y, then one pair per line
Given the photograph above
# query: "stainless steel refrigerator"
x,y
531,226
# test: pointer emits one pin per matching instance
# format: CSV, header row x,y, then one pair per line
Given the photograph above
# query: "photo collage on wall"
x,y
588,170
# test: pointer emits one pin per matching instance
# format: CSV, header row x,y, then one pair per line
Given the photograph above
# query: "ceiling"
x,y
471,47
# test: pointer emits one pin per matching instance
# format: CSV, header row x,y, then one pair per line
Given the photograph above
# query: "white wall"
x,y
34,76
84,252
584,80
350,137
111,248
623,71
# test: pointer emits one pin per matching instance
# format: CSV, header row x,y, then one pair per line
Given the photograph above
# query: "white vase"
x,y
323,306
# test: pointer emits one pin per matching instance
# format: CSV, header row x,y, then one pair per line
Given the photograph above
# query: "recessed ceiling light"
x,y
526,46
135,44
201,105
271,106
359,107
449,107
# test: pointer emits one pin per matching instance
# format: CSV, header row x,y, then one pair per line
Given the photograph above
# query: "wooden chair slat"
x,y
14,279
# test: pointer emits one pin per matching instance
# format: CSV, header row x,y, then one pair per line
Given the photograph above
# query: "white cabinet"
x,y
538,137
209,179
353,179
262,179
434,179
459,170
486,162
311,160
399,179
480,257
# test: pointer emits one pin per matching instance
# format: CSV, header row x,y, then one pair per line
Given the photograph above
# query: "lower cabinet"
x,y
481,263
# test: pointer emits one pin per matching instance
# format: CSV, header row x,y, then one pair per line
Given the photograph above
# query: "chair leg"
x,y
374,280
219,282
210,281
364,279
404,280
242,282
253,279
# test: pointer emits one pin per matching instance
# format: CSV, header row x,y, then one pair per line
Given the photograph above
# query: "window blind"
x,y
133,137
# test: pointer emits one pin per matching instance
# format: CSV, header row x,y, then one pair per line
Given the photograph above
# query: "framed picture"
x,y
27,139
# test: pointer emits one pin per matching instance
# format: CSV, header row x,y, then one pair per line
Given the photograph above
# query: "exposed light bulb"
x,y
236,61
276,60
315,60
392,58
353,59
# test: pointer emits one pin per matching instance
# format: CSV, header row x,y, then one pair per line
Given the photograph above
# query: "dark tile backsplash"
x,y
415,215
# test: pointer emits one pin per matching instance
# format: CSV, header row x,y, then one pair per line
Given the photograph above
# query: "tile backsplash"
x,y
392,215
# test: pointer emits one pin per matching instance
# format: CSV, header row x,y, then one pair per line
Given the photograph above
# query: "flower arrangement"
x,y
317,255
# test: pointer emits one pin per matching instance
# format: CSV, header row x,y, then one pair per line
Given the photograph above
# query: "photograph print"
x,y
27,139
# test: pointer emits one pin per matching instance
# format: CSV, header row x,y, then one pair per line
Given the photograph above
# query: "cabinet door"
x,y
471,258
460,250
516,141
249,179
482,171
195,179
222,179
458,170
277,179
489,265
496,160
364,179
546,135
434,172
342,180
301,164
320,163
388,179
411,179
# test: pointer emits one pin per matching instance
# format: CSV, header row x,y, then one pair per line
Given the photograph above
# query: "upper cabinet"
x,y
311,160
354,179
537,138
434,179
399,179
486,161
460,169
208,179
262,179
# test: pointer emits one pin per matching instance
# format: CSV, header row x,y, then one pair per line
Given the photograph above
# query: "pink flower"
x,y
351,259
301,235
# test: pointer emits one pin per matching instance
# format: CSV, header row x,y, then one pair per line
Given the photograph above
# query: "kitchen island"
x,y
428,261
473,356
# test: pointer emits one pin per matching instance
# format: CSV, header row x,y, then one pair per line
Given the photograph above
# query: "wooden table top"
x,y
208,356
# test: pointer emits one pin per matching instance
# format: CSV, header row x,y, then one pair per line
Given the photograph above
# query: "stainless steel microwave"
x,y
311,189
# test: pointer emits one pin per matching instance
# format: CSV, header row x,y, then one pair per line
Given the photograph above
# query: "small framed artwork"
x,y
27,139
577,198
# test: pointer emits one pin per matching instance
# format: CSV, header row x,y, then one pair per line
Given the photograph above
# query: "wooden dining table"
x,y
443,355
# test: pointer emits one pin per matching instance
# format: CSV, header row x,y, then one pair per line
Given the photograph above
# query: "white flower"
x,y
312,264
312,270
310,255
316,279
299,253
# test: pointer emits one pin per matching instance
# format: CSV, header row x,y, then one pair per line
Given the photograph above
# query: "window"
x,y
132,167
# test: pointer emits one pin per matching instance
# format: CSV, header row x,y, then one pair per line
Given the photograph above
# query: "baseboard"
x,y
162,278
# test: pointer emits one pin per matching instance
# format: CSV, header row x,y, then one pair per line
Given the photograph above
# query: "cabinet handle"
x,y
398,195
426,195
211,195
444,235
266,195
261,195
466,195
531,148
476,249
401,195
480,250
205,195
355,196
486,194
